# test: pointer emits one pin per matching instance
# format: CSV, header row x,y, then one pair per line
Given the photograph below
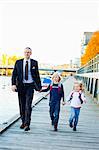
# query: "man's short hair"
x,y
28,48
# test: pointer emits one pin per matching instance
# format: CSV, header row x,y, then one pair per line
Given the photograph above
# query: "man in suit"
x,y
25,78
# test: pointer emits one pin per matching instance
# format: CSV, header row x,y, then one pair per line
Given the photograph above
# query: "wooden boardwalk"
x,y
42,137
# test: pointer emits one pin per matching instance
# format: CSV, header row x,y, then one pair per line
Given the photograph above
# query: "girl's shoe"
x,y
71,125
74,128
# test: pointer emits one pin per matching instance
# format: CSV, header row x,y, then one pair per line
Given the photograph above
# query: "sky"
x,y
53,29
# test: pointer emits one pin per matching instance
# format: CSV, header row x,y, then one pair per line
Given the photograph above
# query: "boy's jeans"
x,y
54,112
74,116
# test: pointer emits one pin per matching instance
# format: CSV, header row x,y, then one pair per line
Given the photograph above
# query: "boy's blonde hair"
x,y
56,74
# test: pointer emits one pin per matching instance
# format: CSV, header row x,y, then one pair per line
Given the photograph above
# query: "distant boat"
x,y
46,81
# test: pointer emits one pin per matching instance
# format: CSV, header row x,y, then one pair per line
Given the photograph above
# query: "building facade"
x,y
85,39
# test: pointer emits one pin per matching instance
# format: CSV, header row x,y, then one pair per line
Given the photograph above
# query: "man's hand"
x,y
14,88
40,90
63,103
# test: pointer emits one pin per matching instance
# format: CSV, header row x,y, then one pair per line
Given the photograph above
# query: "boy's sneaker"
x,y
52,122
71,125
55,127
74,129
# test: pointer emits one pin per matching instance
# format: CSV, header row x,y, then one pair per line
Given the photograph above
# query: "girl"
x,y
56,93
76,98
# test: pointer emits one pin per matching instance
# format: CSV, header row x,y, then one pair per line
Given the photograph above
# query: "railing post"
x,y
98,91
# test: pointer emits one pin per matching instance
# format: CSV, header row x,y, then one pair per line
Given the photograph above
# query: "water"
x,y
9,106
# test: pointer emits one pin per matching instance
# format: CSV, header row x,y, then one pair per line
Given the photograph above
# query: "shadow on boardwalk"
x,y
42,137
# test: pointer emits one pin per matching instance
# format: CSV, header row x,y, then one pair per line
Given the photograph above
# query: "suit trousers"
x,y
25,95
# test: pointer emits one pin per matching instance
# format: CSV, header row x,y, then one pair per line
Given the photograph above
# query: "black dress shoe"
x,y
22,126
27,128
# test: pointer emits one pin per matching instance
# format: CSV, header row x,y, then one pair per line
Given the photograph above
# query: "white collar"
x,y
26,59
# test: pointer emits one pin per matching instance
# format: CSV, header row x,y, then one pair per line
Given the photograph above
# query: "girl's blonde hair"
x,y
56,74
80,85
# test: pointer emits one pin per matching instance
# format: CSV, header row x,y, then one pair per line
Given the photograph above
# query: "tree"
x,y
92,49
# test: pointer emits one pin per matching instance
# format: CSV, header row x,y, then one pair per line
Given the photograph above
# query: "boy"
x,y
56,93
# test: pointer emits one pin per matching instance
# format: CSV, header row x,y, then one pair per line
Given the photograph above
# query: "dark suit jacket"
x,y
17,75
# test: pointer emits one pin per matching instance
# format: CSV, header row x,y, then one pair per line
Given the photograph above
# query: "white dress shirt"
x,y
30,79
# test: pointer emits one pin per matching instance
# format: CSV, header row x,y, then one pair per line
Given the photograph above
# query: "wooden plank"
x,y
42,137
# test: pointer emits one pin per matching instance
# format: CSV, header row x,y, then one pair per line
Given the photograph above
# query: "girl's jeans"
x,y
74,116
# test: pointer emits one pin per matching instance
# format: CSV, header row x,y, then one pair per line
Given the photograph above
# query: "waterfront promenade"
x,y
42,137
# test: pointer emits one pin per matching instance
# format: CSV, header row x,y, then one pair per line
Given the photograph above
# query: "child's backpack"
x,y
59,87
78,97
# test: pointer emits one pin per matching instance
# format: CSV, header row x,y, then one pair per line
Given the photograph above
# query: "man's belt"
x,y
28,84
